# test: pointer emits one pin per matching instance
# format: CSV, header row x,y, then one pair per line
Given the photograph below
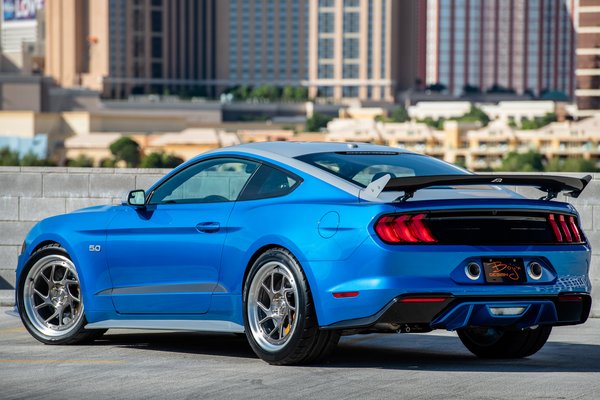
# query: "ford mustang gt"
x,y
296,244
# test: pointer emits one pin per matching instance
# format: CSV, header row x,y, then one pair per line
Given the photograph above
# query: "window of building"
x,y
351,22
325,48
156,21
156,47
326,22
350,71
350,91
350,48
325,71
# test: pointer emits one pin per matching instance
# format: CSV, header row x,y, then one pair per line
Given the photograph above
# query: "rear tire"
x,y
489,342
279,316
50,300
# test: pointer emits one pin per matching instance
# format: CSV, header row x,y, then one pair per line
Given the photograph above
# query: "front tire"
x,y
279,317
50,301
487,342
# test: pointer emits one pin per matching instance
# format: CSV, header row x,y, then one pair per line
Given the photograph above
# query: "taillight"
x,y
574,229
565,228
406,228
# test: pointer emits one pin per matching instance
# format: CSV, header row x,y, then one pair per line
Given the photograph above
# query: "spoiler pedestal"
x,y
551,184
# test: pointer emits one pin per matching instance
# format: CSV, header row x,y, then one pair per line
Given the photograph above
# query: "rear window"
x,y
362,168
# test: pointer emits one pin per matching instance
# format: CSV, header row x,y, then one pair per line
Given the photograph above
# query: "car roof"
x,y
296,149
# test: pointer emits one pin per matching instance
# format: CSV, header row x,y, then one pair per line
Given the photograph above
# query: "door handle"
x,y
208,227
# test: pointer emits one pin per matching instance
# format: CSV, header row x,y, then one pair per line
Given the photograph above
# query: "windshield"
x,y
362,168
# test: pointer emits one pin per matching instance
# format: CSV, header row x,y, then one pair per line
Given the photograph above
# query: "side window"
x,y
269,182
210,181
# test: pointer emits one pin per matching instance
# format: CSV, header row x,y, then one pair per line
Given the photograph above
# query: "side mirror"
x,y
136,198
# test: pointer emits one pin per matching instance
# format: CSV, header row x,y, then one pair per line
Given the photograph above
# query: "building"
x,y
22,36
587,92
361,48
262,42
336,48
473,146
121,47
499,45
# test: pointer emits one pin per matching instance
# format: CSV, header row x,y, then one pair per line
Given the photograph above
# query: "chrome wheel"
x,y
272,306
52,296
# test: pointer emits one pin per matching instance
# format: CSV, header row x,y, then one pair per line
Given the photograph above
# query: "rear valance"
x,y
551,184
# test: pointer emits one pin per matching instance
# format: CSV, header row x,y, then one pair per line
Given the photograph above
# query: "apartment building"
x,y
476,147
525,46
587,93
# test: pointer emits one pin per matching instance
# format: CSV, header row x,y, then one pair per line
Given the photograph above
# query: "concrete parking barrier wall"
x,y
29,194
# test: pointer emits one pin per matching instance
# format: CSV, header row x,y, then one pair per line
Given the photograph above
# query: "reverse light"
x,y
507,311
406,228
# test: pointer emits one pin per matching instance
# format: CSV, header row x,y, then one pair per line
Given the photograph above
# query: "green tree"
x,y
399,115
571,165
301,93
8,157
475,114
160,160
81,161
538,122
32,160
266,92
317,122
126,149
434,123
522,162
107,163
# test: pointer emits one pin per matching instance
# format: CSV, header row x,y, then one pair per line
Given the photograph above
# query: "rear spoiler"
x,y
551,184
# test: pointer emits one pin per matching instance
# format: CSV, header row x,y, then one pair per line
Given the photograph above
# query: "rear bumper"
x,y
422,313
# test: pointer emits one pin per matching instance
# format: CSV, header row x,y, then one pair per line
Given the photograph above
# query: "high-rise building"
x,y
587,73
335,48
525,46
262,42
122,47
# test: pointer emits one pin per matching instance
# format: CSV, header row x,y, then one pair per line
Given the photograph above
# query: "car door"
x,y
164,258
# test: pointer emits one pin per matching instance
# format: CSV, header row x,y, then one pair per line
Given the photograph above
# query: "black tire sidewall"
x,y
302,308
55,250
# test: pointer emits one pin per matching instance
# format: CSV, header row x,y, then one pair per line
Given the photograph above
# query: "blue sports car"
x,y
296,244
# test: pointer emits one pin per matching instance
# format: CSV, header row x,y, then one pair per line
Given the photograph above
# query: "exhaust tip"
x,y
535,270
473,271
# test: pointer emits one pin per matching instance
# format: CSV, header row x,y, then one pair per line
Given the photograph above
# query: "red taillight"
x,y
555,229
421,230
574,229
405,228
402,229
565,228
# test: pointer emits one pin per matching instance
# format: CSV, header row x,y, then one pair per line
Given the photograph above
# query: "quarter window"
x,y
210,181
269,182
